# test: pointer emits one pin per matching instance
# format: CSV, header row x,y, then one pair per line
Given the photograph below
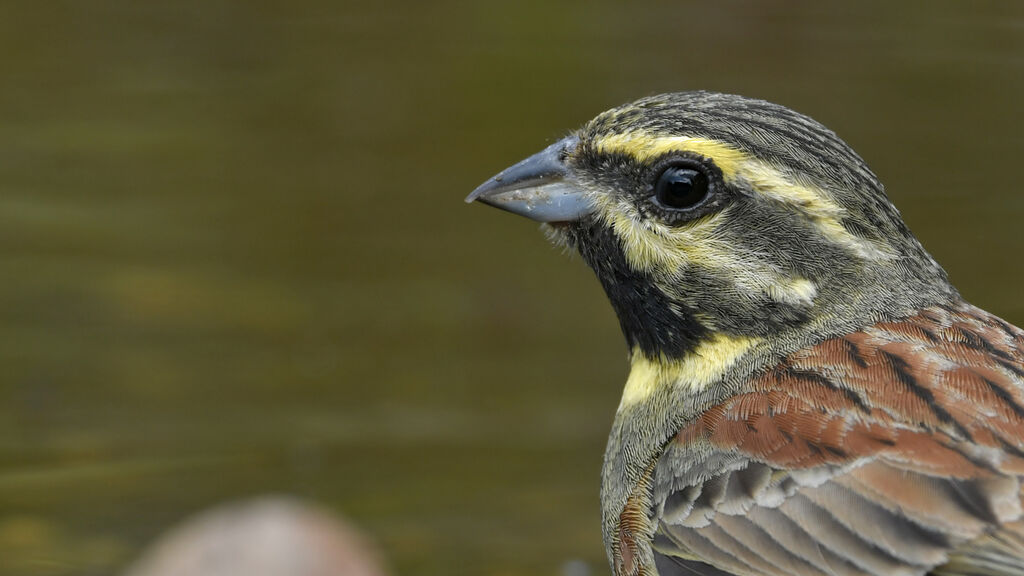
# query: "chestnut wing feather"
x,y
898,449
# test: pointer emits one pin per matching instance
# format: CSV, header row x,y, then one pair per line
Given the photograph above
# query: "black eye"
x,y
679,188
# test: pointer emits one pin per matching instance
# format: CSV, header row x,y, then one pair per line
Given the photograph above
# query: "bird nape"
x,y
808,394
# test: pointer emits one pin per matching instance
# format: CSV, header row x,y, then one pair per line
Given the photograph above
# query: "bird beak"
x,y
541,187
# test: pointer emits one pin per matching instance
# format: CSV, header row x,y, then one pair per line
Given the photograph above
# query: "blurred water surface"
x,y
234,256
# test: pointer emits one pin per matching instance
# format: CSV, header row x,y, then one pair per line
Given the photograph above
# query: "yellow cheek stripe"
x,y
702,367
794,291
666,253
651,246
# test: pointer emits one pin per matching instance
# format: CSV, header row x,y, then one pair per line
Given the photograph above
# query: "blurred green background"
x,y
234,256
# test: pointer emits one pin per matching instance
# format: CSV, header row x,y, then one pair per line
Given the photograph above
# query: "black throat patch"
x,y
649,319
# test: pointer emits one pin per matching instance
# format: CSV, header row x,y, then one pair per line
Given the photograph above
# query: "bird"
x,y
808,394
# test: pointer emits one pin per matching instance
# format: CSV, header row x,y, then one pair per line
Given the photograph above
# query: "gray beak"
x,y
541,187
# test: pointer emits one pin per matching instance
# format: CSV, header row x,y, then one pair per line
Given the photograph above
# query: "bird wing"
x,y
895,450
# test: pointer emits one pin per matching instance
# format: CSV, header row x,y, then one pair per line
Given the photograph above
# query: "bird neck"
x,y
673,318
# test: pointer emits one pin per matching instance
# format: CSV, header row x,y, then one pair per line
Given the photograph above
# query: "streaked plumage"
x,y
890,450
808,394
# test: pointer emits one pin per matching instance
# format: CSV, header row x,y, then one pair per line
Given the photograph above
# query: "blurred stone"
x,y
575,567
271,536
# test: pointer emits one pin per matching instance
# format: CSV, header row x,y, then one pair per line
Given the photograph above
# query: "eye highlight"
x,y
680,188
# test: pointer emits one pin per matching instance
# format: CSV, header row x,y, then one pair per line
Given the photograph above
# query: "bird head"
x,y
717,218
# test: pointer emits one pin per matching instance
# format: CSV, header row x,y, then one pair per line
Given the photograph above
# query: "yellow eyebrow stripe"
x,y
645,148
763,177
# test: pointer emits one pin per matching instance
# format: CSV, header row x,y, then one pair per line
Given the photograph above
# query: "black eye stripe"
x,y
620,174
